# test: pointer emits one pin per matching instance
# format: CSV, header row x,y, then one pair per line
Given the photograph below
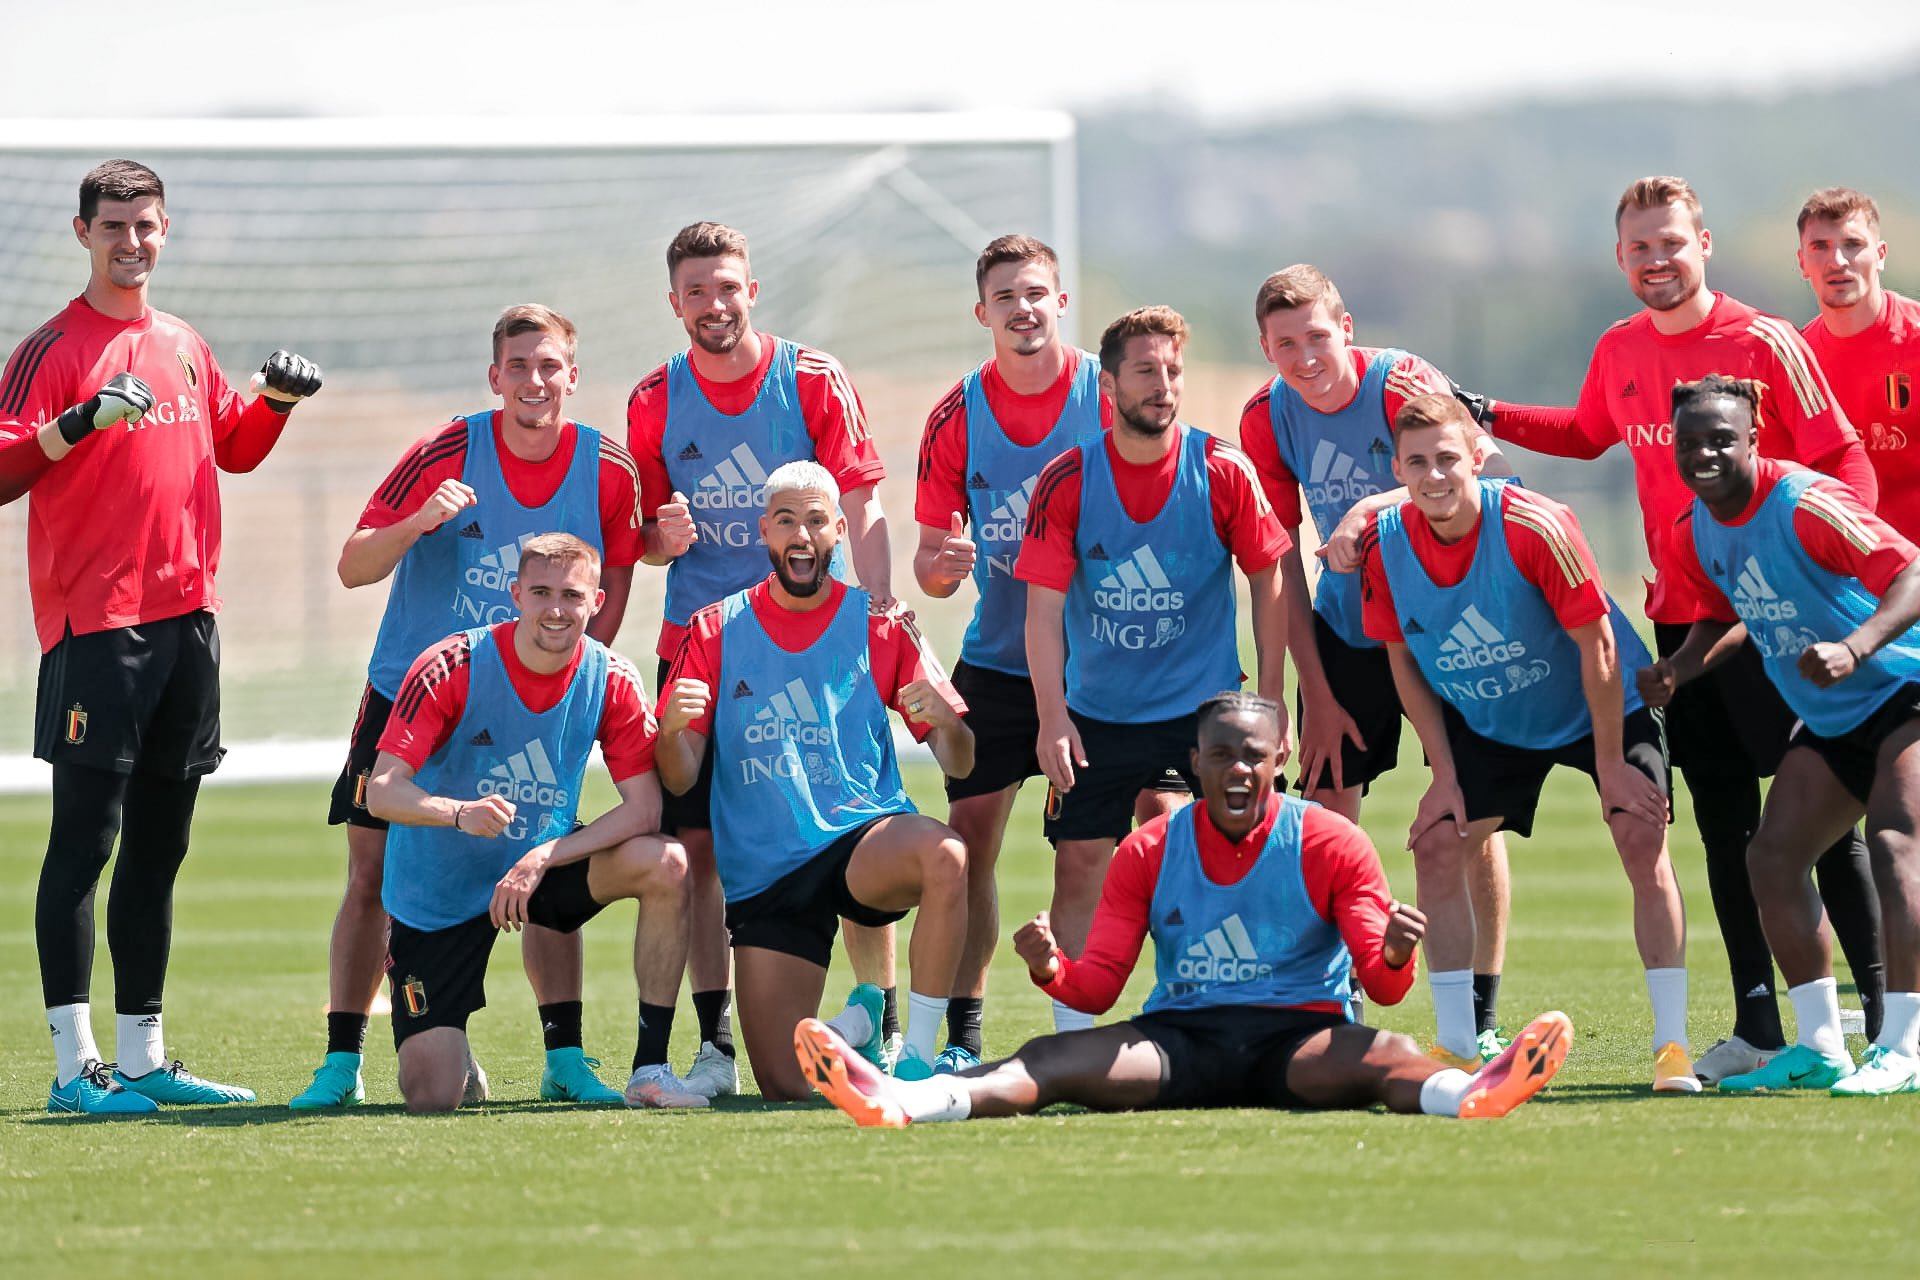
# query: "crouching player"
x,y
1830,595
1262,909
1510,659
479,771
788,683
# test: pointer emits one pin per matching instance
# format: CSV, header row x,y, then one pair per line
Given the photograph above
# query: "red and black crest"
x,y
76,724
1899,392
186,363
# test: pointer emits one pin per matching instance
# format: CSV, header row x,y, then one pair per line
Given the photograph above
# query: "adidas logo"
x,y
1754,598
1138,585
691,454
1412,627
1475,642
1381,452
790,716
1224,954
1761,992
1719,570
743,690
1629,390
151,1020
472,531
1335,479
1174,919
739,481
977,481
1097,552
527,777
499,567
481,739
1008,523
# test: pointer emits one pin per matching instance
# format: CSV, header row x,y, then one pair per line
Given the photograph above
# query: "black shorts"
x,y
349,803
438,977
142,699
1122,761
799,914
1006,730
1854,756
692,811
1362,683
1730,720
1231,1056
1499,781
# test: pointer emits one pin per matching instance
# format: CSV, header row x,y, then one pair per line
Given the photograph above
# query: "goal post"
x,y
385,248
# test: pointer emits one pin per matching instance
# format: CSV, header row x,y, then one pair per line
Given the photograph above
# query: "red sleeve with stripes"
x,y
1799,398
619,505
1348,887
698,658
1410,377
940,485
1843,536
430,702
646,428
1277,481
627,726
1377,615
36,388
837,422
1551,551
1683,561
1241,514
1047,555
439,455
1093,982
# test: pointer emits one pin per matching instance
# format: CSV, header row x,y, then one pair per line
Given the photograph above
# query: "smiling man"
x,y
479,772
1867,339
1830,595
116,420
1263,909
1726,732
1510,660
447,525
784,687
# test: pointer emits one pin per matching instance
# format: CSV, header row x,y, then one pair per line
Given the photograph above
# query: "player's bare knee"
x,y
1079,866
943,865
1642,848
1439,852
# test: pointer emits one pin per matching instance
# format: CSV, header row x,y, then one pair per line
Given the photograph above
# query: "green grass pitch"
x,y
1596,1177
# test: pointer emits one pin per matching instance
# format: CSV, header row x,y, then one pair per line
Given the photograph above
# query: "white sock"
x,y
1816,1011
935,1099
1453,1011
1900,1027
138,1043
1067,1019
1442,1092
1667,991
925,1016
853,1024
72,1027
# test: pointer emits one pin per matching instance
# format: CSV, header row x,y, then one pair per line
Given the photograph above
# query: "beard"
x,y
718,344
798,587
1143,419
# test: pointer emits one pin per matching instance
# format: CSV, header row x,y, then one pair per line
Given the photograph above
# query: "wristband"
x,y
76,424
458,811
1859,659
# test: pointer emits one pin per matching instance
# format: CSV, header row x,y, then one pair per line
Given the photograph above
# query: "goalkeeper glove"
x,y
286,379
124,399
1479,407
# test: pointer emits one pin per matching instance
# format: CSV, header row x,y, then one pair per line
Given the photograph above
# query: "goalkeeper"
x,y
114,416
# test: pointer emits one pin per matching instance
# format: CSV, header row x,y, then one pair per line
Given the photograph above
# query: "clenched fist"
x,y
674,525
442,505
1035,944
489,816
687,701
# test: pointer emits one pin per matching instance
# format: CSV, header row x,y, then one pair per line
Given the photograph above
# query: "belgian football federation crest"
x,y
186,363
414,992
76,724
1899,392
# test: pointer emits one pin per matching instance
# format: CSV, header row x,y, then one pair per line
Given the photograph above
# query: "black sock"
x,y
560,1024
963,1023
656,1028
889,1014
712,1009
346,1032
1486,999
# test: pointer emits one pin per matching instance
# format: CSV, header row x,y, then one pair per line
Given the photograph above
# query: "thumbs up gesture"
x,y
673,522
955,559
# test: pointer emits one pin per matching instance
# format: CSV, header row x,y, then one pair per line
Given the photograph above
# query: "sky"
x,y
1226,59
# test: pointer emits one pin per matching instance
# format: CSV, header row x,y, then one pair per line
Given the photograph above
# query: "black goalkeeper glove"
x,y
286,379
124,399
1479,407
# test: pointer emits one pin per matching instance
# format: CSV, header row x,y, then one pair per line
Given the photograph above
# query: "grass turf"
x,y
1596,1176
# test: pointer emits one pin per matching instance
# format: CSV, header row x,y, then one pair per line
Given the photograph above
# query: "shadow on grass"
x,y
1622,1092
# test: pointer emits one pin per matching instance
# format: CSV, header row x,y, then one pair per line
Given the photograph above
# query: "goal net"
x,y
384,250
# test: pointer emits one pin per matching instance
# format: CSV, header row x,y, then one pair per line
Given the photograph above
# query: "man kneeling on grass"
x,y
479,772
1262,908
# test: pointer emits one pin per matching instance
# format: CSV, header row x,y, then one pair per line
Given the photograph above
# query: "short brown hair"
x,y
1716,386
1300,285
704,240
1838,204
1434,409
118,180
1139,323
531,317
560,549
1657,193
1014,248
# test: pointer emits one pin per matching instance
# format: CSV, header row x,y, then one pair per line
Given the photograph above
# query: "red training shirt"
x,y
1410,376
1344,882
836,422
940,490
1241,515
894,657
1873,375
434,695
126,528
1544,539
1837,529
441,454
1628,396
